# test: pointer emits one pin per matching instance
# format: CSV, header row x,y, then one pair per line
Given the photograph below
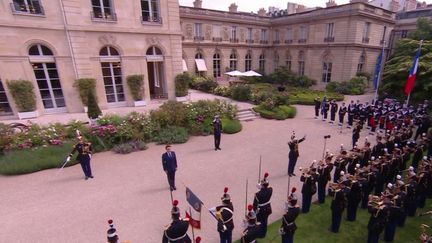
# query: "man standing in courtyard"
x,y
293,153
84,150
169,163
217,131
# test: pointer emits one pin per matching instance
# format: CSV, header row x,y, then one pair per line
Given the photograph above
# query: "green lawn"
x,y
313,227
36,159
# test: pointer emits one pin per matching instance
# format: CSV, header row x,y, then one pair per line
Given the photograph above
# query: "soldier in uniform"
x,y
324,176
353,198
251,233
112,236
262,204
333,110
342,112
317,102
337,191
325,107
351,112
224,215
377,221
176,232
289,227
309,188
293,153
84,150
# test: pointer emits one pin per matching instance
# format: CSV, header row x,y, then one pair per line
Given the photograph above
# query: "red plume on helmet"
x,y
293,190
198,239
250,207
225,189
175,203
266,175
226,197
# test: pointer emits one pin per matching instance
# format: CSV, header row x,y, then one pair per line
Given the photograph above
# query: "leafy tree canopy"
x,y
423,31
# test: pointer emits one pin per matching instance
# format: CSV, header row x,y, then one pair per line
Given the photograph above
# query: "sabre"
x,y
66,160
259,170
246,197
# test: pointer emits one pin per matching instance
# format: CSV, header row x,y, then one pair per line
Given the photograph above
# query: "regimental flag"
x,y
378,70
413,72
195,214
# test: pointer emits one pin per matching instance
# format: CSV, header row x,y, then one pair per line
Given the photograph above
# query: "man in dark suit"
x,y
169,163
217,132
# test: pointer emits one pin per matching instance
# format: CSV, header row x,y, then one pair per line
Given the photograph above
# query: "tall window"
x,y
263,35
262,63
198,31
27,6
303,34
327,69
103,9
288,61
216,65
217,32
276,36
47,78
301,64
233,32
150,11
199,56
366,32
329,34
289,35
248,62
233,61
361,63
112,74
276,60
5,108
249,34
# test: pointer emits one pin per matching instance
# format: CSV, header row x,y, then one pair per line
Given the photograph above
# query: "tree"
x,y
423,31
282,76
93,111
397,69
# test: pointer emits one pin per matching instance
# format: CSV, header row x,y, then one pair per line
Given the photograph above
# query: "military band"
x,y
262,204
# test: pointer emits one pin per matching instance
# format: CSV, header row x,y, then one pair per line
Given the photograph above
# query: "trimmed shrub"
x,y
355,86
231,126
130,147
205,84
182,84
278,112
135,83
291,111
84,86
280,115
23,94
241,92
224,91
304,82
93,111
171,113
172,135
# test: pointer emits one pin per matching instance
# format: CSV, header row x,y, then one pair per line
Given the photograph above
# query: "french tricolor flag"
x,y
413,73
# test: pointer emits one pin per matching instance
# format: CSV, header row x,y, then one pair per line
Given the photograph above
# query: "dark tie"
x,y
169,154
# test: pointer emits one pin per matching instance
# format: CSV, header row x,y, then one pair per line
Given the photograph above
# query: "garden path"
x,y
132,189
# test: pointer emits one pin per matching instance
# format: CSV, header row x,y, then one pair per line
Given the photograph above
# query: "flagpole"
x,y
381,65
193,233
246,197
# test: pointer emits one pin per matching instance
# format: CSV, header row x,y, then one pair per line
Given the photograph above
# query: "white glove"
x,y
68,158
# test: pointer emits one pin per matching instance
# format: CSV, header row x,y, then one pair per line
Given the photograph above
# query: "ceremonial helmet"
x,y
251,215
198,239
112,236
264,181
292,198
226,198
175,211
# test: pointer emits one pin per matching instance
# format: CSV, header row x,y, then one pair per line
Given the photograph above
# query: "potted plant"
x,y
22,92
94,111
84,86
136,84
181,86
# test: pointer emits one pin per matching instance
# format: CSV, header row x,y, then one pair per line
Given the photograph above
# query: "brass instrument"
x,y
424,237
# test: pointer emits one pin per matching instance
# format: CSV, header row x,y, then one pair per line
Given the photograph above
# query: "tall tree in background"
x,y
397,68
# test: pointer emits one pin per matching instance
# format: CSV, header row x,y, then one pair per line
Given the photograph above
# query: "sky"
x,y
254,5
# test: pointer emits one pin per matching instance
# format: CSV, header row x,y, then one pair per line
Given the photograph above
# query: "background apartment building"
x,y
52,43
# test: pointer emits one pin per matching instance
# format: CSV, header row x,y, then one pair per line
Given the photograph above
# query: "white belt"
x,y
175,239
264,204
232,213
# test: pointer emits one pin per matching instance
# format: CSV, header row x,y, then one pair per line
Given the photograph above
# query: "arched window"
x,y
216,65
199,55
262,63
47,78
361,63
153,51
301,64
288,61
233,61
112,74
200,66
327,67
248,62
156,72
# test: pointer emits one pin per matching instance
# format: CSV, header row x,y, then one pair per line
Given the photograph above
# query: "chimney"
x,y
331,3
233,8
300,8
262,12
197,4
359,1
394,6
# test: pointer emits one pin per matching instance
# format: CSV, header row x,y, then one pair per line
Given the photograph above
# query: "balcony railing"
x,y
365,40
263,41
27,9
288,41
276,42
302,41
329,39
250,41
104,17
217,39
151,20
234,40
198,38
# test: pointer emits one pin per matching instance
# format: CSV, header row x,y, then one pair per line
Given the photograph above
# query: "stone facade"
x,y
343,36
76,33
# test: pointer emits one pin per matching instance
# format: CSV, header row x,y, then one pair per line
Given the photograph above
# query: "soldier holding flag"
x,y
176,232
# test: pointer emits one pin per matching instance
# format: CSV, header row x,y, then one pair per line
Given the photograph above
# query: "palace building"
x,y
53,43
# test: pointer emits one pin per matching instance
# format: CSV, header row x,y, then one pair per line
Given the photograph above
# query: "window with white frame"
x,y
276,60
103,9
47,77
327,69
233,33
248,62
264,35
289,34
261,63
199,56
366,32
216,31
301,64
276,35
27,6
361,63
198,30
112,74
249,34
303,33
233,61
150,11
5,108
216,65
288,61
329,32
